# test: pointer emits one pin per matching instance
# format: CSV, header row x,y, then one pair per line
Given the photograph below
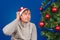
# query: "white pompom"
x,y
21,7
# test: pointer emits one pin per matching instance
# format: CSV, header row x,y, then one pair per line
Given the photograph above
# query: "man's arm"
x,y
10,28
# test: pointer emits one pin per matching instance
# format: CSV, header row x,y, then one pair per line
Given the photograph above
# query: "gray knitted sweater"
x,y
19,31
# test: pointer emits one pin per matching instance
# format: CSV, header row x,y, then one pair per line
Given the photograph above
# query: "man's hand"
x,y
18,16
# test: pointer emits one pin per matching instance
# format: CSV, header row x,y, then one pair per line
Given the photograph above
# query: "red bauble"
x,y
41,8
47,16
41,24
57,28
54,9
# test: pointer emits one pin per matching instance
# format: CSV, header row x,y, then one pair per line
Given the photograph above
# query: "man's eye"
x,y
25,13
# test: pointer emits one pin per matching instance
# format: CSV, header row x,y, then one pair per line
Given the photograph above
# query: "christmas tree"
x,y
50,23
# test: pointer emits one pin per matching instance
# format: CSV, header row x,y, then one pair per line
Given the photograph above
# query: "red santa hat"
x,y
21,10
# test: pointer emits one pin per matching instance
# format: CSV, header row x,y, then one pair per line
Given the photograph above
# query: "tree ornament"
x,y
41,8
57,28
41,24
47,16
54,9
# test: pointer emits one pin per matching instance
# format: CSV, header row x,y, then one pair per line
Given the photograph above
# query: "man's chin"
x,y
27,21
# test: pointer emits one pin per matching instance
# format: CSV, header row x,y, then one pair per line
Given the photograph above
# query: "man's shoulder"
x,y
33,24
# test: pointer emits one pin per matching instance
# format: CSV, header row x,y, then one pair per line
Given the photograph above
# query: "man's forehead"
x,y
27,11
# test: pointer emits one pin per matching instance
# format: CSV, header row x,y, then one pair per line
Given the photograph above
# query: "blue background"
x,y
8,10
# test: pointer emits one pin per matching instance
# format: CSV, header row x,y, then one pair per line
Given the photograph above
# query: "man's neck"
x,y
23,23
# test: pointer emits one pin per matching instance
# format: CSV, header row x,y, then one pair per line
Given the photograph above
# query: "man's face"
x,y
25,17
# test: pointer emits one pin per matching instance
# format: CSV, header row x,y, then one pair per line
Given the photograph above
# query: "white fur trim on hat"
x,y
22,9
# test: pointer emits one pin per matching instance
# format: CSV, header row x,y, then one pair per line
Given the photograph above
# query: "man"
x,y
21,28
